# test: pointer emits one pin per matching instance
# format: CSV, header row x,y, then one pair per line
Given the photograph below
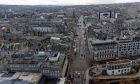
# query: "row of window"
x,y
122,53
106,52
129,48
122,71
104,56
132,25
24,69
51,73
104,47
121,47
119,66
130,44
32,66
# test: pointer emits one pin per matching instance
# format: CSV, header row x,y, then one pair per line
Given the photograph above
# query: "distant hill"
x,y
58,7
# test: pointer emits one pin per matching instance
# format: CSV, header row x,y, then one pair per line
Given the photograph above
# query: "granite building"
x,y
103,50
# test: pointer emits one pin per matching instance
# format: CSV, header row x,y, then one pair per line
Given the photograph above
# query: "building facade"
x,y
118,67
103,50
128,48
53,65
111,49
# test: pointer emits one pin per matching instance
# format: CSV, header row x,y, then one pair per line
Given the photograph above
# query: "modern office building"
x,y
107,15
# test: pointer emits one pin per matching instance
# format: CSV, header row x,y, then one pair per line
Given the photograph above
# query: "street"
x,y
78,65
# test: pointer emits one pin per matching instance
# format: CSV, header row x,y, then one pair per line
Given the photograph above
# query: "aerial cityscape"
x,y
70,44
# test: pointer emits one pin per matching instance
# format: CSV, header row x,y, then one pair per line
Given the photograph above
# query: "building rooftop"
x,y
97,41
37,38
124,61
56,64
28,57
55,38
20,78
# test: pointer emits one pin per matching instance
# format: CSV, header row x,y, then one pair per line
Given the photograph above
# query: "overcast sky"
x,y
62,2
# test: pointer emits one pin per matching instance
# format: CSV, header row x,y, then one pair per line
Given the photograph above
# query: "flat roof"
x,y
34,38
31,77
119,61
55,38
57,64
20,77
97,41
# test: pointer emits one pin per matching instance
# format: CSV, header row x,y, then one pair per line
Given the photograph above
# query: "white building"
x,y
55,40
118,67
54,57
107,15
81,22
44,29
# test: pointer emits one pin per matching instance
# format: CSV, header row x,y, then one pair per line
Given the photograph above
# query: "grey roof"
x,y
21,82
6,82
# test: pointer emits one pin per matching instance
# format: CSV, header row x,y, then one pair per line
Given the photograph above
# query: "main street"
x,y
79,63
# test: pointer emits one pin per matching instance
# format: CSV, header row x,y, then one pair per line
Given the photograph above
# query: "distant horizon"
x,y
65,5
64,2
